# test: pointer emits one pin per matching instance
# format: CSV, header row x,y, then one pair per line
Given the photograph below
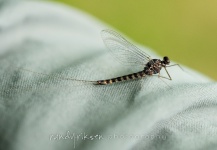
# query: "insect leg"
x,y
167,74
160,77
176,65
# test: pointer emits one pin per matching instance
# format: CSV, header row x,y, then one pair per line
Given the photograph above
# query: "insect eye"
x,y
166,60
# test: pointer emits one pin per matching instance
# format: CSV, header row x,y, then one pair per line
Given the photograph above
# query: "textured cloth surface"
x,y
50,112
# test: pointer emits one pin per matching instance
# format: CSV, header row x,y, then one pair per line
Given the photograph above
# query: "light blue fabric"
x,y
65,43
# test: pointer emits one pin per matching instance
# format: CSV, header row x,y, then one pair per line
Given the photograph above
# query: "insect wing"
x,y
122,50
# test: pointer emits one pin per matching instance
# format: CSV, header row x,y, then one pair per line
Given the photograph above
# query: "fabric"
x,y
51,111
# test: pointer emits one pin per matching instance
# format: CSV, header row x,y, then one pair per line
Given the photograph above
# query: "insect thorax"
x,y
153,67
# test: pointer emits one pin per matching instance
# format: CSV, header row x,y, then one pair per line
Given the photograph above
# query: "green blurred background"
x,y
185,30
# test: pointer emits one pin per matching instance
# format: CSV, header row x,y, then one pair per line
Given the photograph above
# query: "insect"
x,y
128,54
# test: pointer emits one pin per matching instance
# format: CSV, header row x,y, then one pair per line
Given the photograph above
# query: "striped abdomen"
x,y
122,78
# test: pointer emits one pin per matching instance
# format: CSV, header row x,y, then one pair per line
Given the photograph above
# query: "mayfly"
x,y
128,54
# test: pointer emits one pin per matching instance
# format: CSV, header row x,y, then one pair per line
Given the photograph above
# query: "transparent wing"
x,y
123,50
